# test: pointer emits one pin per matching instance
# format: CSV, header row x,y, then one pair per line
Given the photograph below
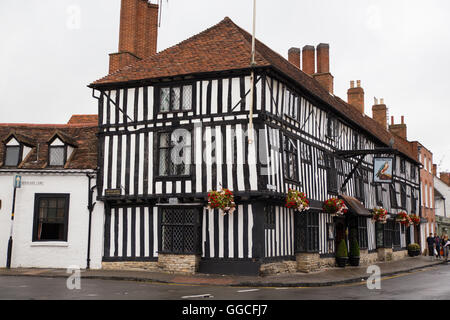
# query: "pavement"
x,y
323,278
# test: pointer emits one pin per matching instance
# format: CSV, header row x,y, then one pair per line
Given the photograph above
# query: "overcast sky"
x,y
50,50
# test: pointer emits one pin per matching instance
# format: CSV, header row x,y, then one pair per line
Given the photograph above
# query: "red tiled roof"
x,y
83,119
82,136
226,46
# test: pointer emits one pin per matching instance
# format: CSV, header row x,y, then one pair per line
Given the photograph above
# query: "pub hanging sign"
x,y
383,169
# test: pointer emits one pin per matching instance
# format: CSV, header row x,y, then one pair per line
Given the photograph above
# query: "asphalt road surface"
x,y
427,284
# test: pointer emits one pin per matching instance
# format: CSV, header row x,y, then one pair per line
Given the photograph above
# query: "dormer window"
x,y
12,157
17,148
13,153
58,153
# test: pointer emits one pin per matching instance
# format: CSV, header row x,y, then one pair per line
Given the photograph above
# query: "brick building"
x,y
425,157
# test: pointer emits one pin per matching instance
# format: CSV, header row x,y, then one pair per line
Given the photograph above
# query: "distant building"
x,y
425,157
442,202
57,165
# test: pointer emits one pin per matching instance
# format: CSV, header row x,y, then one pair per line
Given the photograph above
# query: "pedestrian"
x,y
431,243
437,242
446,246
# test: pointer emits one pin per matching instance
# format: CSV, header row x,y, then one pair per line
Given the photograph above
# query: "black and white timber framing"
x,y
217,119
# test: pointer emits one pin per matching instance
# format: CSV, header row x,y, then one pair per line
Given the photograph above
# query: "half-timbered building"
x,y
174,125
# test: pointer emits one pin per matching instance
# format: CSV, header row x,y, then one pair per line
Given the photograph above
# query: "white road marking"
x,y
249,290
207,295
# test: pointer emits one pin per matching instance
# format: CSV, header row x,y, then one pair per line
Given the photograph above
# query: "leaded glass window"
x,y
57,156
180,230
176,98
290,159
175,153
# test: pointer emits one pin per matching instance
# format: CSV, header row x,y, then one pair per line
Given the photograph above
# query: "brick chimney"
x,y
398,129
323,74
309,60
445,177
379,112
138,33
294,56
356,96
435,170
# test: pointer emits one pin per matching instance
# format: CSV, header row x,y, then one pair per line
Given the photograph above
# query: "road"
x,y
430,284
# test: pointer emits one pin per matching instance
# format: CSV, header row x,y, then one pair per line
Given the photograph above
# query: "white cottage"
x,y
56,224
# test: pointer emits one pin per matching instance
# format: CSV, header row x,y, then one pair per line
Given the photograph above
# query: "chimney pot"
x,y
352,84
358,83
403,119
382,101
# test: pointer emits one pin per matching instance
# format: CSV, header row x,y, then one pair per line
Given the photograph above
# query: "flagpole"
x,y
252,77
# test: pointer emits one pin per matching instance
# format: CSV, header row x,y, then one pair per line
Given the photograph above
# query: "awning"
x,y
354,205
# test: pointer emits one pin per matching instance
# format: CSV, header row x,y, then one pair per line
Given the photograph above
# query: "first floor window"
x,y
393,196
403,195
176,98
379,194
175,153
51,214
332,183
331,127
359,186
180,230
307,232
12,156
413,202
290,159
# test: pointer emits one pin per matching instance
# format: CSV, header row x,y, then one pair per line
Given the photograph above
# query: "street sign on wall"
x,y
18,182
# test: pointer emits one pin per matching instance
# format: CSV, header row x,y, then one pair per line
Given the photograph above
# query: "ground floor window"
x,y
269,217
51,216
307,232
362,232
180,230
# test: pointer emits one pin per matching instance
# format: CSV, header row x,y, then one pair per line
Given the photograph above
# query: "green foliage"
x,y
413,247
342,250
354,249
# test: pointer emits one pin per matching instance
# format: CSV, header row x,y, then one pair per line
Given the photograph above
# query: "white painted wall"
x,y
443,189
27,254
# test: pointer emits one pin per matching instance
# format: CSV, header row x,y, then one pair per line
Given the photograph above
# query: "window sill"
x,y
49,244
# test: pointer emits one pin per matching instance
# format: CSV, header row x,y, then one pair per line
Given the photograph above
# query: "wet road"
x,y
431,283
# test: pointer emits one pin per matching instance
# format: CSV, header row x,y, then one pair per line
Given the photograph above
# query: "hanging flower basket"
x,y
379,215
297,200
335,206
222,200
403,218
414,219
